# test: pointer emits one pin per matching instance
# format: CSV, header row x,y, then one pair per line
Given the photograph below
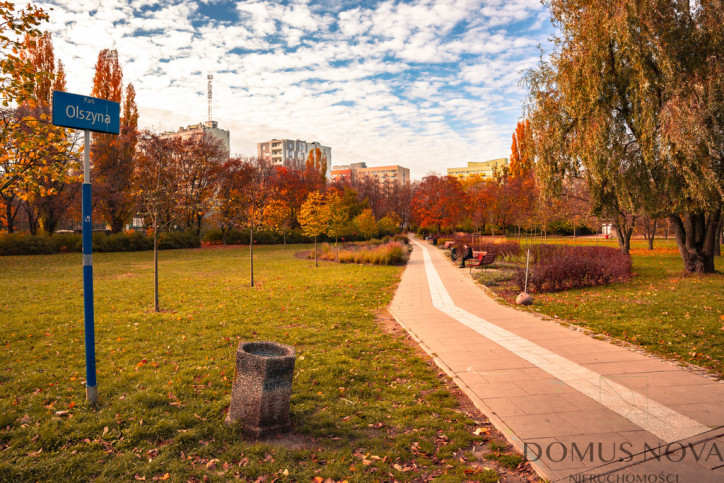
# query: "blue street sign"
x,y
99,115
84,112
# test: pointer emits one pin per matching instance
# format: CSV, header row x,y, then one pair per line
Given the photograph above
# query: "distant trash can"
x,y
434,241
262,388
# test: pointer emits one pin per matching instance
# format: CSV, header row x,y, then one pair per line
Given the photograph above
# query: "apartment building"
x,y
208,127
382,174
291,152
485,169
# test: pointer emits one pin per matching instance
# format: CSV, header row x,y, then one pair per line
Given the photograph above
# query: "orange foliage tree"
x,y
438,202
27,140
113,156
316,166
48,198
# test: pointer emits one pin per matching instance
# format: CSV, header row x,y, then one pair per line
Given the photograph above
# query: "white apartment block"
x,y
291,152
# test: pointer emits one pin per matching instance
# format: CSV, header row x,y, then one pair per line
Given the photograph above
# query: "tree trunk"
x,y
10,216
718,239
156,307
116,222
651,233
32,217
284,235
251,252
623,234
696,238
316,263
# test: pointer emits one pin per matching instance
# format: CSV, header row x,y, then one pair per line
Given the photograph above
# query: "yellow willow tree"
x,y
631,101
113,156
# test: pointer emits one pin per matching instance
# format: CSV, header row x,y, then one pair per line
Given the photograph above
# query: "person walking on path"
x,y
467,255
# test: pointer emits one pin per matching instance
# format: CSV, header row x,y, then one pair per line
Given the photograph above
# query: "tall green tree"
x,y
631,100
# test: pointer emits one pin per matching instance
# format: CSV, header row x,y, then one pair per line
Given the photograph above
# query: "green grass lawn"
x,y
662,309
364,406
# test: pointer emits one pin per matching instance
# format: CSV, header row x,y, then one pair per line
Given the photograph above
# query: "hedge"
x,y
26,244
561,267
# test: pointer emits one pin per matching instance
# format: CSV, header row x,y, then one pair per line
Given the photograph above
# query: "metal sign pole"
x,y
91,390
103,116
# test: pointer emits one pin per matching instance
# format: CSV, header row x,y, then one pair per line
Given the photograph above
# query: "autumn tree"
x,y
481,195
290,190
316,166
439,202
30,146
366,224
18,78
631,101
113,155
255,196
313,217
49,197
521,160
276,217
337,217
156,177
229,211
203,154
389,224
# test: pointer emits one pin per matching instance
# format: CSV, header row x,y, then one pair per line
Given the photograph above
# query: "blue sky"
x,y
426,84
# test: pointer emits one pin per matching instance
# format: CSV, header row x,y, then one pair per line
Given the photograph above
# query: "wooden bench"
x,y
448,245
481,259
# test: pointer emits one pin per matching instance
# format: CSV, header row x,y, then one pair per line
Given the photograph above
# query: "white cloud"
x,y
422,83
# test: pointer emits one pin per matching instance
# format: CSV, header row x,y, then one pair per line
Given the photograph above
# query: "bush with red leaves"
x,y
560,267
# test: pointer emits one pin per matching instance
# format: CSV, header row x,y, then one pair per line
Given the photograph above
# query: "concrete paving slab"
x,y
541,382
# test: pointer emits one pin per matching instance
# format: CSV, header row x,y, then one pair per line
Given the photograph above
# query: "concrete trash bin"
x,y
262,388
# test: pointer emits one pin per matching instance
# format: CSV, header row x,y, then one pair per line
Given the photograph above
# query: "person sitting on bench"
x,y
467,255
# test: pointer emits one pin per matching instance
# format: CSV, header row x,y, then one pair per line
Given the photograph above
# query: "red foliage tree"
x,y
439,202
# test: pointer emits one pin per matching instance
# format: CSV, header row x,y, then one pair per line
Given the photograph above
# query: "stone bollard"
x,y
262,388
524,298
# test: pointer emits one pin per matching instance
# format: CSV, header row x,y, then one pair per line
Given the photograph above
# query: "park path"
x,y
581,409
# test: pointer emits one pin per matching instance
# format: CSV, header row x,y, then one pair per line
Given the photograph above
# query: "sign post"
x,y
99,115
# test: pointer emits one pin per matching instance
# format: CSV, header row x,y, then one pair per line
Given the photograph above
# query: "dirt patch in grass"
x,y
494,452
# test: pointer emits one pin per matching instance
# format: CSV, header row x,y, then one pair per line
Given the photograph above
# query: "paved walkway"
x,y
581,409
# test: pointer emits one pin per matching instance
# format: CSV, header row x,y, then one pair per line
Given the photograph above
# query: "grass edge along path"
x,y
365,406
662,310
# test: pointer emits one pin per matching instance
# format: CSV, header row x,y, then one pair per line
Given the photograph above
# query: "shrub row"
x,y
390,253
25,244
270,237
561,267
